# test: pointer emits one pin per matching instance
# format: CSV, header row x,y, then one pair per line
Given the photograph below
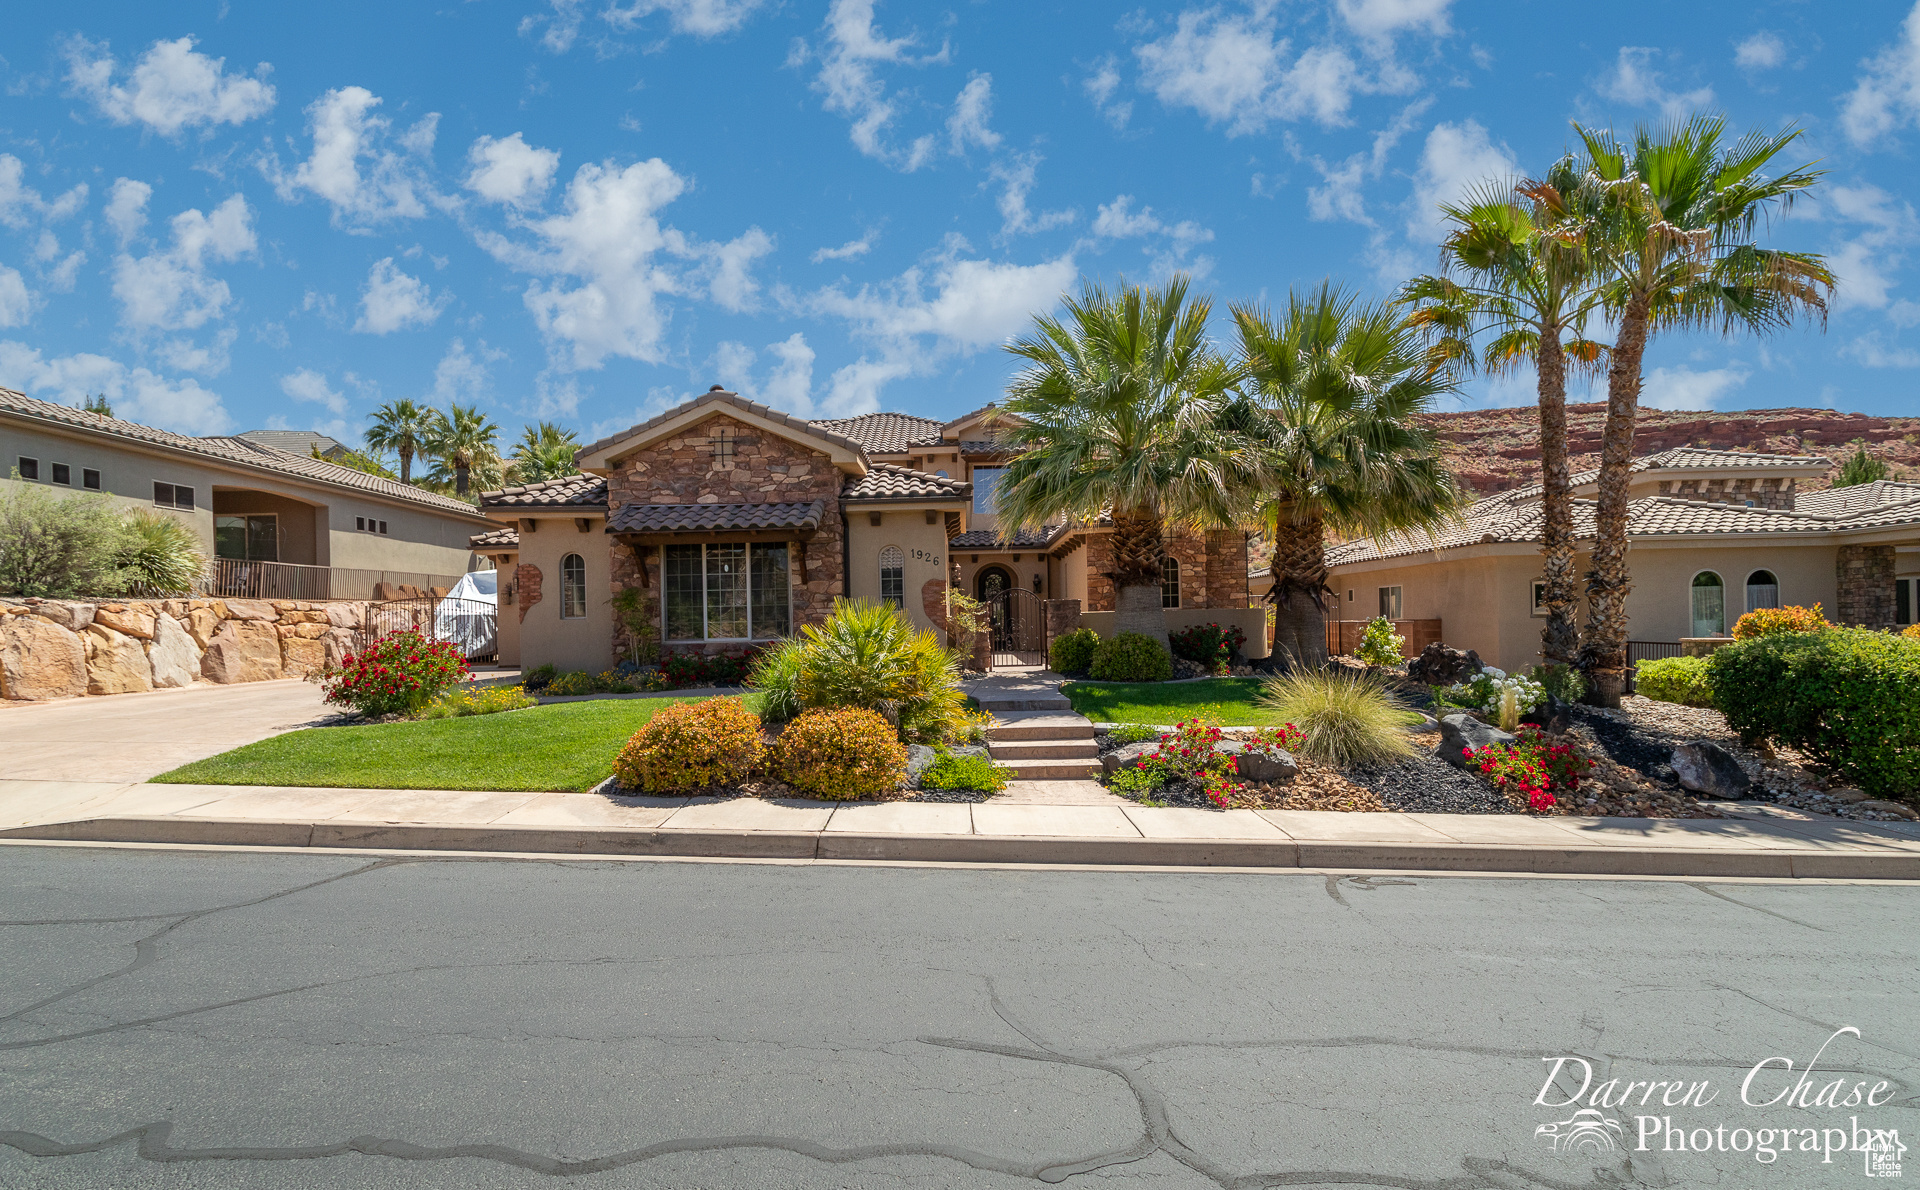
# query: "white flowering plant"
x,y
1497,693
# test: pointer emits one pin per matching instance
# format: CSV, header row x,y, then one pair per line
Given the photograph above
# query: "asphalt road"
x,y
181,1019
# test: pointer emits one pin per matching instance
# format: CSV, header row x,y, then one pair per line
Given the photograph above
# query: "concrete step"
x,y
1023,702
1053,770
1045,750
1041,725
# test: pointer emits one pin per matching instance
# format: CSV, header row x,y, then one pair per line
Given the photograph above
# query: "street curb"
x,y
988,849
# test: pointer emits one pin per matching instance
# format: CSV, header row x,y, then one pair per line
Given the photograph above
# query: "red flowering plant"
x,y
1532,768
398,674
1187,754
1284,738
1208,645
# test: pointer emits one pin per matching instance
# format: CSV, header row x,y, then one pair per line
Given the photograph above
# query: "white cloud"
x,y
730,280
127,208
1100,86
1864,264
1684,388
972,108
788,386
392,300
1341,194
170,289
462,375
1635,81
1384,18
1169,243
1016,176
309,385
1887,97
184,355
16,300
1762,51
137,394
21,205
1456,158
511,171
171,87
850,250
347,134
701,18
1875,350
854,90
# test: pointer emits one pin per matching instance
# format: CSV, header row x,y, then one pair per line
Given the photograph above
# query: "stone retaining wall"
x,y
62,648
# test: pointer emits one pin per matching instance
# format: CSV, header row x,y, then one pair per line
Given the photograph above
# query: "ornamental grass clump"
x,y
840,754
398,674
716,741
1344,718
866,655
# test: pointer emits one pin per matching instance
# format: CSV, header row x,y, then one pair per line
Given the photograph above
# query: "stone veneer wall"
x,y
1864,576
1773,492
766,469
62,648
1208,574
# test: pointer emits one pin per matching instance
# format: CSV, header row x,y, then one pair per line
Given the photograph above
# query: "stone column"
x,y
1063,616
1864,576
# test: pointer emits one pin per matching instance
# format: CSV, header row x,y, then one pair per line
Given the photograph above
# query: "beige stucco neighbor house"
x,y
276,523
1712,535
740,524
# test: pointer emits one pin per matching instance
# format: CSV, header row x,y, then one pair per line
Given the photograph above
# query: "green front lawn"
x,y
1228,702
562,746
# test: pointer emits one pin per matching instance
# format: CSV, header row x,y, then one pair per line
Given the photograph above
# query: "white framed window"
x,y
893,576
726,591
1906,600
173,495
28,468
1708,596
1763,590
1390,602
1169,582
89,479
985,480
573,587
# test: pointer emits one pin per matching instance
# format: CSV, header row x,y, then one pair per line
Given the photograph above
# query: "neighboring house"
x,y
741,524
1712,534
277,523
300,442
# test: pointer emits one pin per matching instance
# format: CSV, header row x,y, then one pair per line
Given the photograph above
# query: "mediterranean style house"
x,y
1712,535
735,525
277,524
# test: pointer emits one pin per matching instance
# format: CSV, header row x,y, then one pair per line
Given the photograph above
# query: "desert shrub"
x,y
1765,621
539,677
159,554
1130,657
1685,680
692,745
1532,769
478,700
1849,697
866,655
840,754
1131,733
398,674
1208,645
951,771
1380,644
1563,682
58,546
1911,632
1344,718
1073,653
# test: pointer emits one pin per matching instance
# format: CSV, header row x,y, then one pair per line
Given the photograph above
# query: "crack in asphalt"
x,y
1714,892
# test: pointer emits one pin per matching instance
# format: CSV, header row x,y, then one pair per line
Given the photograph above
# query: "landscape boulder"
x,y
116,662
1261,768
1183,668
1439,665
1129,756
919,759
344,614
1710,770
242,651
74,617
1460,732
136,622
1551,714
202,623
301,655
172,655
250,609
40,660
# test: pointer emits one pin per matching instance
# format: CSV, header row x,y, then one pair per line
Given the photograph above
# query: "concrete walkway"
x,y
1757,844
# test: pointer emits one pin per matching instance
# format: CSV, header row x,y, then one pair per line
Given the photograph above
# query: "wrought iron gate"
x,y
1018,622
470,623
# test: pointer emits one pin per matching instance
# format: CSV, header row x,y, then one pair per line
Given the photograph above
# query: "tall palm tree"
x,y
1119,412
402,427
464,442
1672,220
1514,267
545,451
1331,389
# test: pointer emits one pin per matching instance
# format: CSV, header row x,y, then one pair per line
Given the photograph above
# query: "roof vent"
x,y
718,388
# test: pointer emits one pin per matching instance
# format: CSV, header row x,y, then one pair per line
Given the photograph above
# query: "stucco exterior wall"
x,y
544,637
923,546
1660,607
300,542
1251,620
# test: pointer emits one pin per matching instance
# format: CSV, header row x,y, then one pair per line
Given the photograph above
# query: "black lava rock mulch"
x,y
1426,784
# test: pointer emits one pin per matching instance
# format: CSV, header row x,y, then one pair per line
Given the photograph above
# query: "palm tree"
x,y
465,443
1516,268
1671,221
402,427
1119,412
1331,390
545,451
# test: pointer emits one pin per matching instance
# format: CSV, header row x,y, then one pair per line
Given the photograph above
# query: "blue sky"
x,y
239,216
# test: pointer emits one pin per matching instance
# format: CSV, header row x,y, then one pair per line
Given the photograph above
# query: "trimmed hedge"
x,y
691,746
1765,621
1073,653
1849,697
1130,657
1685,680
840,754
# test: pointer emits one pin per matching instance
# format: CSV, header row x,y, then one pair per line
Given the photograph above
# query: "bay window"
x,y
727,591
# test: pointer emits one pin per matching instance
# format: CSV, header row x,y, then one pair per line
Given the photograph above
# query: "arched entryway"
x,y
990,582
1013,617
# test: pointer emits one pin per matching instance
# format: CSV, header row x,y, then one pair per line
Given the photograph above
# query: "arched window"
x,y
1709,605
1763,590
1169,582
893,576
573,587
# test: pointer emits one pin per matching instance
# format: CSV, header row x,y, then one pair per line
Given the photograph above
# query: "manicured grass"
x,y
1228,702
563,746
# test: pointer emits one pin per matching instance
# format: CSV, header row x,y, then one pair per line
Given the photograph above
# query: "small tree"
x,y
1861,468
55,546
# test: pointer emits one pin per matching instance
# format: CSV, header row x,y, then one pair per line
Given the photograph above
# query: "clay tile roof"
x,y
568,491
722,397
983,446
507,538
1025,539
1864,497
711,518
882,433
234,452
1694,457
888,482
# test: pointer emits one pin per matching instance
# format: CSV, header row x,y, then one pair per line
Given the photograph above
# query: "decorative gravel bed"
x,y
1426,784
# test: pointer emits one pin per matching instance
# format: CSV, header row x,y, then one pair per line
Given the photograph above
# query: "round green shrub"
x,y
1685,680
1073,653
951,771
692,745
1130,657
840,754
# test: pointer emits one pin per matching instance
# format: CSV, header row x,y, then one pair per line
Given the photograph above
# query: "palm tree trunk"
x,y
460,474
1137,550
1604,653
406,465
1559,639
1300,590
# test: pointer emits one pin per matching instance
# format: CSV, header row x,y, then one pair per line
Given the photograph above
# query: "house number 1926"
x,y
924,556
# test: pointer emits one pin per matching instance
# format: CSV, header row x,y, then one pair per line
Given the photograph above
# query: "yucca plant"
x,y
865,655
1344,718
159,554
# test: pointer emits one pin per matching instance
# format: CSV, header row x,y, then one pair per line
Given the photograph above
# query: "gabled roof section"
x,y
882,433
1698,459
507,538
716,518
242,453
964,418
299,442
844,450
1860,498
884,481
567,491
992,539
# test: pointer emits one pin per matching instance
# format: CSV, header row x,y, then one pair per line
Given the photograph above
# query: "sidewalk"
x,y
1759,842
